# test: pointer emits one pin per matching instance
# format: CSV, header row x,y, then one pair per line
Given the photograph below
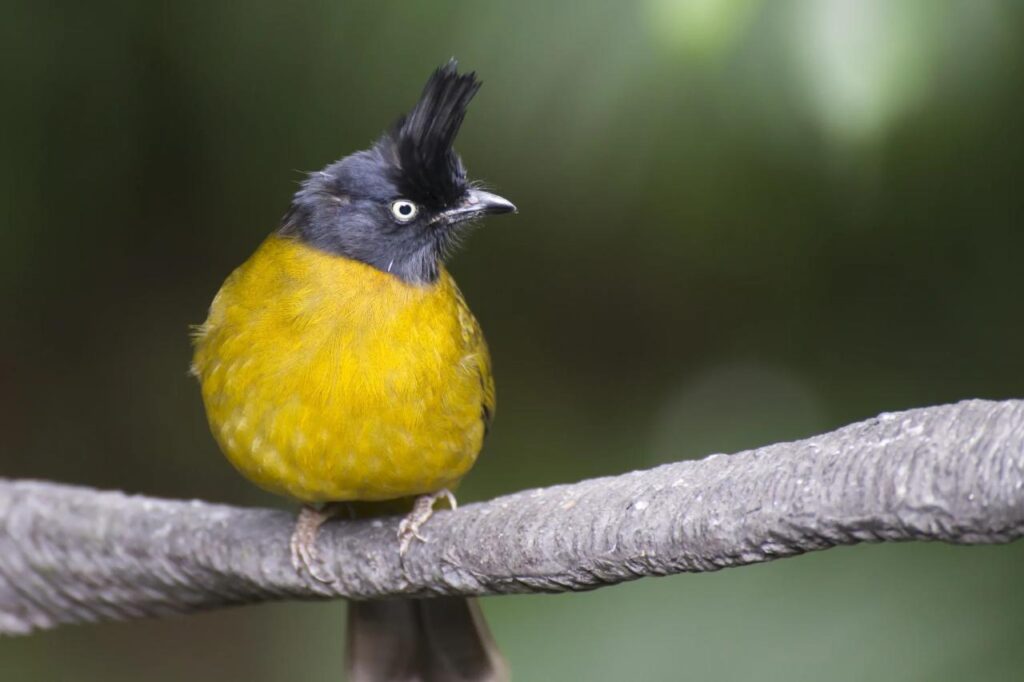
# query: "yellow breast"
x,y
325,379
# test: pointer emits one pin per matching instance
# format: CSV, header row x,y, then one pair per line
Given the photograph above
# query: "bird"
x,y
340,366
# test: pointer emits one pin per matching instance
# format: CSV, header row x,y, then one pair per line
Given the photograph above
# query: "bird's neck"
x,y
417,263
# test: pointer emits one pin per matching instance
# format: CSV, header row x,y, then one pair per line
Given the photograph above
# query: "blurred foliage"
x,y
740,221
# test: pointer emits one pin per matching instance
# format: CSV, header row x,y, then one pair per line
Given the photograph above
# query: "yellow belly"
x,y
325,379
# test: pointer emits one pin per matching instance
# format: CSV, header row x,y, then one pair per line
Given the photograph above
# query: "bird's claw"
x,y
422,510
407,532
305,556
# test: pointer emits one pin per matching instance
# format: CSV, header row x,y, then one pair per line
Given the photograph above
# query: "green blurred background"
x,y
741,221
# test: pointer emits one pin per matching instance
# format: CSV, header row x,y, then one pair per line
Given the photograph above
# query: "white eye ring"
x,y
404,210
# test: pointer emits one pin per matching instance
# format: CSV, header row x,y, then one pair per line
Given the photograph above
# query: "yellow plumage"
x,y
326,379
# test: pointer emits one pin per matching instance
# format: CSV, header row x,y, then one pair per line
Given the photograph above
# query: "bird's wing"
x,y
478,358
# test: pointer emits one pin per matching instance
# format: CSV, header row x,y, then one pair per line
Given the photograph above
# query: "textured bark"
x,y
953,473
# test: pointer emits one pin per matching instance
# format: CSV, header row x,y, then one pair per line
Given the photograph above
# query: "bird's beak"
x,y
476,204
487,203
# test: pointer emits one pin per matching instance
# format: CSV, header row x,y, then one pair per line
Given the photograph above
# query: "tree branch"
x,y
953,473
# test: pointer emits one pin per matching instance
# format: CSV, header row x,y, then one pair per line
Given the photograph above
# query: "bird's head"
x,y
401,205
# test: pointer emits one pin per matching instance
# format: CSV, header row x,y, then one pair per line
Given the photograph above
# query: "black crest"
x,y
419,144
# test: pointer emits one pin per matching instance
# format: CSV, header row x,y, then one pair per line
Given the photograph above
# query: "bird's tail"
x,y
443,639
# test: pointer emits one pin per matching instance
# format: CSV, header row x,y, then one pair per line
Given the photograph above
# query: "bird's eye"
x,y
404,210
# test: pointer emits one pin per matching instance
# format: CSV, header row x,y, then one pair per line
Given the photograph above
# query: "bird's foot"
x,y
422,510
303,543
